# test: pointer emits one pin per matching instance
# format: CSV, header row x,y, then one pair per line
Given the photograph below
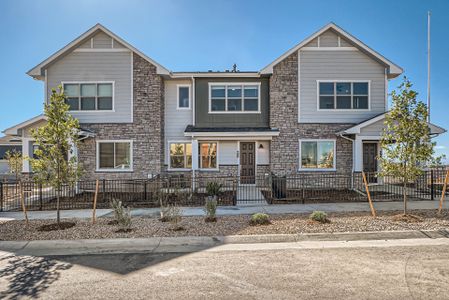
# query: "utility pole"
x,y
428,66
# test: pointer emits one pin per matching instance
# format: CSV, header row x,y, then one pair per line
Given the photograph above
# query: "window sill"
x,y
234,112
209,170
113,171
317,170
179,170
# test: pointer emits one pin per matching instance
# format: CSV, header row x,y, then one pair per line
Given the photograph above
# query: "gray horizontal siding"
x,y
176,120
338,65
97,66
102,40
374,129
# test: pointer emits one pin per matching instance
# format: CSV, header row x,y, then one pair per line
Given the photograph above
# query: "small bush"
x,y
213,188
175,217
211,209
260,219
319,216
122,215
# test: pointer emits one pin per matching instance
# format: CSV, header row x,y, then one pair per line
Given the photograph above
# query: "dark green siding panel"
x,y
204,119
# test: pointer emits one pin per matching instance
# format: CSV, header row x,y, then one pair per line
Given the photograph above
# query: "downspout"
x,y
193,123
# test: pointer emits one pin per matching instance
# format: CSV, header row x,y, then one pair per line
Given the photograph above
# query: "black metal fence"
x,y
191,191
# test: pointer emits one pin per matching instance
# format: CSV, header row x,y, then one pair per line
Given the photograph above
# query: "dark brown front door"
x,y
247,163
370,160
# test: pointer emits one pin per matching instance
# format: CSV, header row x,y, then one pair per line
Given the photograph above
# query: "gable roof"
x,y
394,70
14,130
37,71
355,129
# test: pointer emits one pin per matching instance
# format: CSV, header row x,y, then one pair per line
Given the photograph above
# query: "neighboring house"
x,y
319,107
8,143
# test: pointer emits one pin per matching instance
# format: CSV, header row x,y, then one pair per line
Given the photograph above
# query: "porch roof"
x,y
231,132
378,119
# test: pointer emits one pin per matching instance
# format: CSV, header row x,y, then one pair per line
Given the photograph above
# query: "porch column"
x,y
194,155
358,154
27,152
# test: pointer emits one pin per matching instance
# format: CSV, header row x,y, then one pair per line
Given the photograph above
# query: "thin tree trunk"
x,y
404,193
58,217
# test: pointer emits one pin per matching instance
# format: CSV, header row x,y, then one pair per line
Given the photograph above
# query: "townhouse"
x,y
319,107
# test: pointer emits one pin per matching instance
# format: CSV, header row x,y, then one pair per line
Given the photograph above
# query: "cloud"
x,y
441,147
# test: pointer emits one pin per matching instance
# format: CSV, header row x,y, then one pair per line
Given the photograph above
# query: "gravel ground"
x,y
228,225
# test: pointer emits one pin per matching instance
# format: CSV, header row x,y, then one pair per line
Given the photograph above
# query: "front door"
x,y
370,161
247,162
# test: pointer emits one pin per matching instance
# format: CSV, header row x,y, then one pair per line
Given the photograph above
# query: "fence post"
x,y
40,196
103,190
1,196
145,190
432,187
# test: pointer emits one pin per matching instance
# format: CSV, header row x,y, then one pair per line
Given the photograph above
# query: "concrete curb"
x,y
199,243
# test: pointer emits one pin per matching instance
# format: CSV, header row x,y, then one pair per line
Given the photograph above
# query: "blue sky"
x,y
201,35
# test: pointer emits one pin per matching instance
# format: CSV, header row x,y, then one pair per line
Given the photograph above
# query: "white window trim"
x,y
97,154
169,160
177,96
335,109
199,157
301,169
92,82
226,84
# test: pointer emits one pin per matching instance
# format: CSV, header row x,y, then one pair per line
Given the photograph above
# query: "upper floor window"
x,y
234,98
183,96
89,96
343,95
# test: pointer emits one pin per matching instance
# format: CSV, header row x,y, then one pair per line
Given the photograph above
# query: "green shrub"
x,y
319,216
211,209
213,188
122,215
260,219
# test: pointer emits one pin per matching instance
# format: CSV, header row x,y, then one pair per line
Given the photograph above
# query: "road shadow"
x,y
123,263
29,276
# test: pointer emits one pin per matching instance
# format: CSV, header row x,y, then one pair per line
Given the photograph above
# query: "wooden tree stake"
x,y
22,202
446,179
373,211
95,202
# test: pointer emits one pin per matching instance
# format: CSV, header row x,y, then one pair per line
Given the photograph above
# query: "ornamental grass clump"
x,y
260,219
122,215
211,210
319,216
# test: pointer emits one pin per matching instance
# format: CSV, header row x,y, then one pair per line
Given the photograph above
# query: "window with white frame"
x,y
317,154
343,95
180,155
89,96
207,155
114,155
183,96
234,97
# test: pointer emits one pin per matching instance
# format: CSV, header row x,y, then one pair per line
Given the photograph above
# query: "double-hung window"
x,y
207,155
183,97
343,95
317,154
89,96
114,155
234,97
180,156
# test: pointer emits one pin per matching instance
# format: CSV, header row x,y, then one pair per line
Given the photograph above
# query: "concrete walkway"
x,y
234,210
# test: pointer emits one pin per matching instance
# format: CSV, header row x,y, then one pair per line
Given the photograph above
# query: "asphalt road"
x,y
414,272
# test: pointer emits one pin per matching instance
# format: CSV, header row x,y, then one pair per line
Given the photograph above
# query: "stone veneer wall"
x,y
284,149
146,131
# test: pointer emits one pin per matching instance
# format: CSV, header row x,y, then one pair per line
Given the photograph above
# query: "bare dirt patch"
x,y
225,225
56,226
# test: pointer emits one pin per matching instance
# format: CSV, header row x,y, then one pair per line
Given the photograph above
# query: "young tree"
x,y
54,141
15,161
405,141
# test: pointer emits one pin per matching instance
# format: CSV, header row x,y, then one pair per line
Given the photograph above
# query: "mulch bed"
x,y
225,225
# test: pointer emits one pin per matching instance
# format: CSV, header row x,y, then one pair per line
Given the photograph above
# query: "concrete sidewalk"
x,y
234,210
190,244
